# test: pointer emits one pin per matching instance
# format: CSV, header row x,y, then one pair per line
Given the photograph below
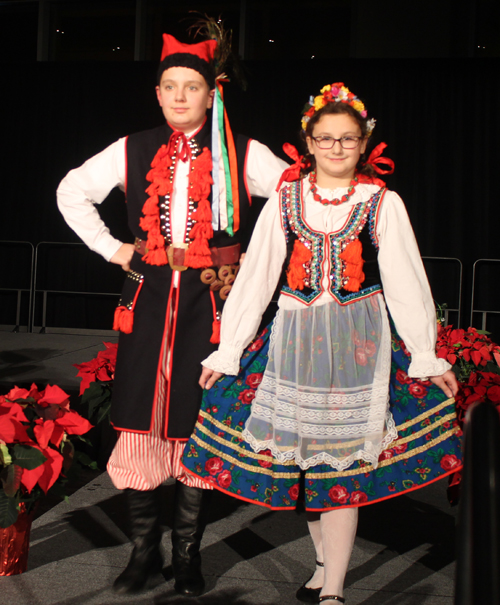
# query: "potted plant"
x,y
37,454
476,362
97,382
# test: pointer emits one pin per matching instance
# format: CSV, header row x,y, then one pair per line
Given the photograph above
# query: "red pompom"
x,y
123,320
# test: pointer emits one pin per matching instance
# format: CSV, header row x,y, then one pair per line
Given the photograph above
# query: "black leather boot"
x,y
146,560
190,518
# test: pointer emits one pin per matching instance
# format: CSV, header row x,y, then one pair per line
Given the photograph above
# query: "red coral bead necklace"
x,y
336,201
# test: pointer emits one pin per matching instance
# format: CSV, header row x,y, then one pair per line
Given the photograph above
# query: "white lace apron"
x,y
324,397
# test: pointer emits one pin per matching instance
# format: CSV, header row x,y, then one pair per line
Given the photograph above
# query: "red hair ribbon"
x,y
205,50
374,159
292,173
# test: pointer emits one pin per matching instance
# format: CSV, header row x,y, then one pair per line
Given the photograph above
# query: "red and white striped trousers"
x,y
143,461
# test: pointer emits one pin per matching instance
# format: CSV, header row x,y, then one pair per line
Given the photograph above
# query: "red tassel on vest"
x,y
353,266
296,271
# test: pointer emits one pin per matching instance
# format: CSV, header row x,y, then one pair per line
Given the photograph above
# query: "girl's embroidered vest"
x,y
360,225
142,148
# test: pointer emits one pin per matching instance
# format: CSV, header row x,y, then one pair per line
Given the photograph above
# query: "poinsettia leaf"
x,y
27,457
59,490
492,367
5,457
483,332
73,423
85,460
94,390
68,452
30,478
54,395
8,510
51,470
30,414
43,432
82,438
12,481
476,357
48,412
103,412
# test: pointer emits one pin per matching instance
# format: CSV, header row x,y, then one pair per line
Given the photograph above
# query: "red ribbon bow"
x,y
374,159
292,173
178,138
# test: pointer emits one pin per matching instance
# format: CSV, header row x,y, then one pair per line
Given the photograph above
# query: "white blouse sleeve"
x,y
252,290
263,170
406,288
88,185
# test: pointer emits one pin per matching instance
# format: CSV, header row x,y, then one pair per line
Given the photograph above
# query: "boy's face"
x,y
184,96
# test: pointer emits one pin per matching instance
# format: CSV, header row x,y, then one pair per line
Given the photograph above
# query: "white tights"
x,y
333,534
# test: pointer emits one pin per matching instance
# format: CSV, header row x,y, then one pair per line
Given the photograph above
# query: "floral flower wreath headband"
x,y
335,93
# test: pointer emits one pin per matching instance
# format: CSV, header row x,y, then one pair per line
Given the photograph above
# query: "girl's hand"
x,y
123,256
208,378
447,382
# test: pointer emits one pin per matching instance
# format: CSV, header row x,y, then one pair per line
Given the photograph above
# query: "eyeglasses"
x,y
329,142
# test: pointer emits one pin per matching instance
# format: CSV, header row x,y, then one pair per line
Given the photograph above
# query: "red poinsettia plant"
x,y
36,451
476,362
97,382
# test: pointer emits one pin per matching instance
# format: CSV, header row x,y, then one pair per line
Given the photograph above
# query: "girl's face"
x,y
335,167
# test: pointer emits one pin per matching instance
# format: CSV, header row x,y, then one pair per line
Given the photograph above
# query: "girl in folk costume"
x,y
188,185
342,402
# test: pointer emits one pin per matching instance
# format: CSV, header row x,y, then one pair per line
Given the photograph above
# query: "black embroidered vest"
x,y
142,148
360,224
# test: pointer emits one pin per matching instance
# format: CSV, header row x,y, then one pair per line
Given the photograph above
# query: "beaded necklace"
x,y
336,201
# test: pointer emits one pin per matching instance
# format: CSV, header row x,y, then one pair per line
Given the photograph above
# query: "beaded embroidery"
x,y
292,221
165,210
291,212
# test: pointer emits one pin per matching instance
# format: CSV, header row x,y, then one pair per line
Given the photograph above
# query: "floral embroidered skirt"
x,y
428,445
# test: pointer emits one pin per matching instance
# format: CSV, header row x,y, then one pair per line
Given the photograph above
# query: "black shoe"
x,y
330,597
190,517
309,595
146,561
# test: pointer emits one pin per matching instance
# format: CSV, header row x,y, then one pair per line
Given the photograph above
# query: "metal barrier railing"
x,y
484,313
477,580
459,290
21,290
34,289
45,292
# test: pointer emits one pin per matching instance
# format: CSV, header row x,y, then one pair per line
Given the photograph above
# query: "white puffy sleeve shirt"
x,y
406,289
84,187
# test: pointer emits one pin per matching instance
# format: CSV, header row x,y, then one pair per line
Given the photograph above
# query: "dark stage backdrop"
x,y
439,118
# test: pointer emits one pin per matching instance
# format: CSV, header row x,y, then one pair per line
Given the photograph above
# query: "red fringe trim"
x,y
296,271
200,182
159,175
353,266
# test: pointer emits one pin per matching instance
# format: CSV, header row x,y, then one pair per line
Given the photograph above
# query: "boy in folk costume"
x,y
188,185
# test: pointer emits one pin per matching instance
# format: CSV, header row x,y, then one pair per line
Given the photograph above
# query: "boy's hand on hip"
x,y
123,256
